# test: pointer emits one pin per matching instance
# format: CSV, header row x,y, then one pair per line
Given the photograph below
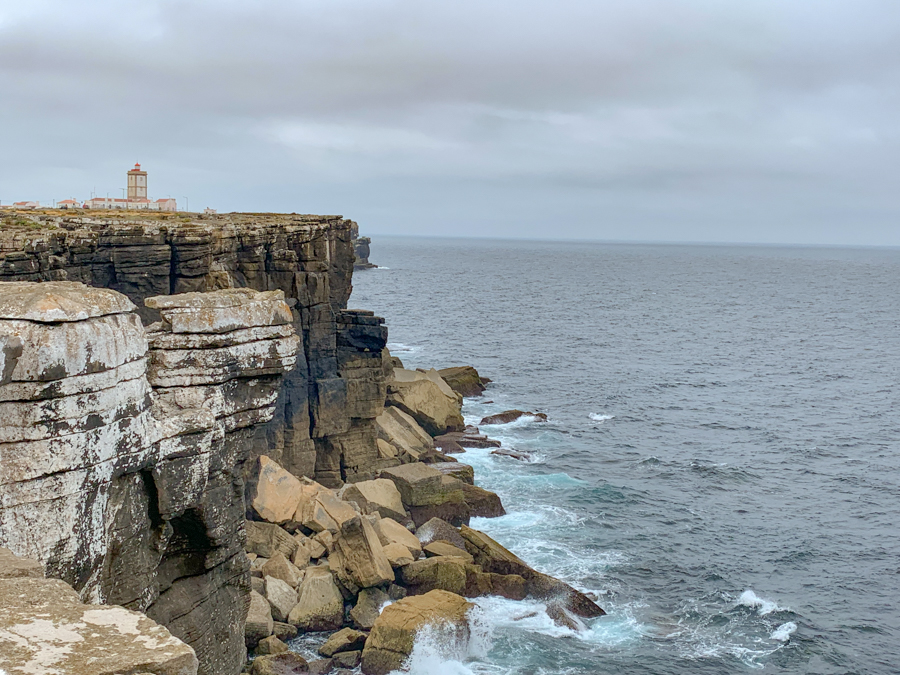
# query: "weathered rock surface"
x,y
511,416
492,557
320,605
443,573
376,496
427,399
46,630
259,623
368,607
286,663
358,558
400,431
345,640
391,640
464,380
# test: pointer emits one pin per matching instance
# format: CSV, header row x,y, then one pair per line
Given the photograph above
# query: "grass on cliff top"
x,y
17,222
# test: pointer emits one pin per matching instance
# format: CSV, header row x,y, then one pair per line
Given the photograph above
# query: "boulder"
x,y
368,607
391,532
358,557
271,645
311,513
313,546
434,457
451,506
456,470
508,416
464,380
282,598
267,539
287,663
345,640
320,605
284,631
321,667
493,557
427,399
276,493
259,623
482,503
442,573
440,530
439,548
281,568
398,555
379,496
345,661
418,484
401,431
393,635
479,583
337,509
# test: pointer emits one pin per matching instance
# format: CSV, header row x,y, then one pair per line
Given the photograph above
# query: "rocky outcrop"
x,y
426,398
361,250
323,424
45,629
122,449
464,380
391,641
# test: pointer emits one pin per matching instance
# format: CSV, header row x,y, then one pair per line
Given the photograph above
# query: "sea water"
x,y
720,463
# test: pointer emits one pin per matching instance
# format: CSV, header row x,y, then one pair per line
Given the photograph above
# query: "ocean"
x,y
720,463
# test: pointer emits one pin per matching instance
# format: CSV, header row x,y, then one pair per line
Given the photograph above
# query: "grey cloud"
x,y
771,120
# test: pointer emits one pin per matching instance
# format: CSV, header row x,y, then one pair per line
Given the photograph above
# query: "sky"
x,y
638,120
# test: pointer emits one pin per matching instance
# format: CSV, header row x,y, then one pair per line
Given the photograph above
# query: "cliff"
x,y
128,425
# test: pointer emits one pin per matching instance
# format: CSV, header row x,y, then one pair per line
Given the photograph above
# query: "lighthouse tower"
x,y
137,184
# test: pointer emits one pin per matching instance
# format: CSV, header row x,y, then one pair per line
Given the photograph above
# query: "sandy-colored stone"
x,y
418,483
443,573
345,640
438,548
398,555
379,496
221,311
400,430
267,539
391,640
259,623
271,645
276,494
390,531
320,606
358,557
13,567
427,399
280,567
281,596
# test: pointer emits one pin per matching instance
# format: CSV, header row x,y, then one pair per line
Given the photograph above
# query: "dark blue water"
x,y
721,460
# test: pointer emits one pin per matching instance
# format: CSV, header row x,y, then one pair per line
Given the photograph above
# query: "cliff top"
x,y
49,219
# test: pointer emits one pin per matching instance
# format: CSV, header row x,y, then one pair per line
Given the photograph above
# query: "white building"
x,y
137,199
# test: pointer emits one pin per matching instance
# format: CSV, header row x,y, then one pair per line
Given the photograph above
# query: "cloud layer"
x,y
775,120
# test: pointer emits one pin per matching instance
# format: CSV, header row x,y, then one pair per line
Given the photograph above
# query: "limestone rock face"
x,y
46,630
443,573
392,532
147,508
276,493
391,640
427,399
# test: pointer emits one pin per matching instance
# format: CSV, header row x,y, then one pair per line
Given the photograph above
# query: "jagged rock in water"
x,y
508,416
464,380
393,635
493,557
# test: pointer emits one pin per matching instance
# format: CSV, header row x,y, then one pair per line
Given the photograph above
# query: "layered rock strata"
x,y
122,450
323,424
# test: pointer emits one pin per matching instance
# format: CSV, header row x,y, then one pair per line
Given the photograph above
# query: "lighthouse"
x,y
137,184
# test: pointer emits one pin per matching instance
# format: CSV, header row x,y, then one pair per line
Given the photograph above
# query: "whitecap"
x,y
750,599
783,632
600,417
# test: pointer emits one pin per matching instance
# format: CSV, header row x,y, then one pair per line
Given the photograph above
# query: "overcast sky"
x,y
687,120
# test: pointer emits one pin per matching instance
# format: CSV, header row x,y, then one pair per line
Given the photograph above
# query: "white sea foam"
x,y
750,599
600,417
784,631
438,649
398,347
